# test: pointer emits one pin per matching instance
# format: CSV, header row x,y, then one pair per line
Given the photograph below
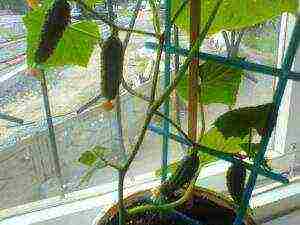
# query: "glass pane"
x,y
27,160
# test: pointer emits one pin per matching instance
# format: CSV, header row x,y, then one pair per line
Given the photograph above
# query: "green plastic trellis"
x,y
283,74
167,74
10,118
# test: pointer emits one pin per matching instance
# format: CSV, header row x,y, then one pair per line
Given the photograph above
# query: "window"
x,y
28,180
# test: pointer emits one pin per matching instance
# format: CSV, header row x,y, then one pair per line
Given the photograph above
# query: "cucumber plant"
x,y
57,19
231,132
111,66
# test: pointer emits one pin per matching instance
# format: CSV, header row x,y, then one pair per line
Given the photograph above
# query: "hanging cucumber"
x,y
111,72
111,66
183,175
57,19
235,181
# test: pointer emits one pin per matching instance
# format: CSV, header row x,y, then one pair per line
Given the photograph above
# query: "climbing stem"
x,y
169,207
176,99
111,24
156,69
160,36
122,211
132,23
154,108
250,140
155,16
156,104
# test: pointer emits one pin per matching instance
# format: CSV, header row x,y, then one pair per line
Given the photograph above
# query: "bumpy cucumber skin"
x,y
57,20
235,181
111,67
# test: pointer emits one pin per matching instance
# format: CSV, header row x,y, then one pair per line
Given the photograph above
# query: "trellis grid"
x,y
284,74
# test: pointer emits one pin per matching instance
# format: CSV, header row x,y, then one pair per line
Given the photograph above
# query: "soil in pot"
x,y
207,208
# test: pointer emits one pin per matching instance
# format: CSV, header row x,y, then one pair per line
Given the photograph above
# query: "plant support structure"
x,y
191,62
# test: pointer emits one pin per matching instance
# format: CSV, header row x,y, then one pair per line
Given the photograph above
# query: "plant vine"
x,y
154,103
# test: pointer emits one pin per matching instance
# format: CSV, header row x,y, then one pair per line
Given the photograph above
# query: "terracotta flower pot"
x,y
207,207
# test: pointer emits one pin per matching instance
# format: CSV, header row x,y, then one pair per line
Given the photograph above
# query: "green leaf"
x,y
79,40
220,84
92,3
171,168
214,139
89,158
236,14
254,148
34,22
75,47
183,88
206,159
237,123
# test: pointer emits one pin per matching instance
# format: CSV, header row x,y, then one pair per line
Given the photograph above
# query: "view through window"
x,y
27,164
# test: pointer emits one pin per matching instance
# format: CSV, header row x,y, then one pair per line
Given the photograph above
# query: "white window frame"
x,y
287,21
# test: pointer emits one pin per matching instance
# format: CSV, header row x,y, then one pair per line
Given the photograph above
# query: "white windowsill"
x,y
268,201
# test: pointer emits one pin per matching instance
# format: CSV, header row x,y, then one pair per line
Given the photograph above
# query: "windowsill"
x,y
146,180
267,201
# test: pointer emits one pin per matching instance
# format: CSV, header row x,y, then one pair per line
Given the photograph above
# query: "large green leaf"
x,y
236,14
34,22
230,134
75,47
237,123
215,139
220,84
